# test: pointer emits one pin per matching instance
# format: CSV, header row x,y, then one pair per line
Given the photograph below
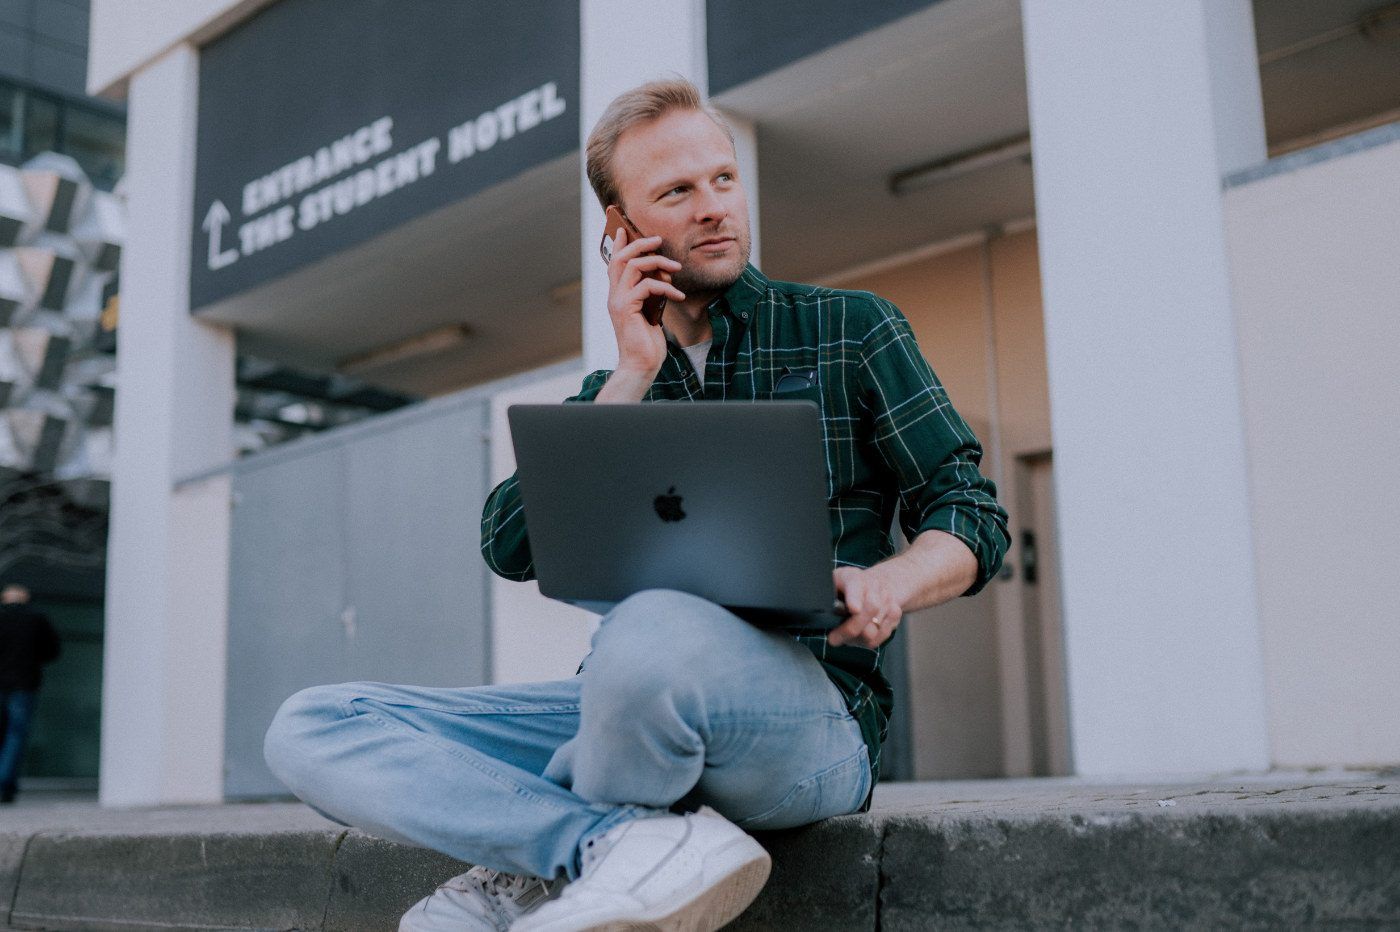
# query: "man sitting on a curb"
x,y
624,795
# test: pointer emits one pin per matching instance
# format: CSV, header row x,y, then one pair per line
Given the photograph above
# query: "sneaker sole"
x,y
720,904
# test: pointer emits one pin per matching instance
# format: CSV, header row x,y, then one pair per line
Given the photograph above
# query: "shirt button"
x,y
743,315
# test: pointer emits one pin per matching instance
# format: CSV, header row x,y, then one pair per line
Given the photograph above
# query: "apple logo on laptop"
x,y
668,506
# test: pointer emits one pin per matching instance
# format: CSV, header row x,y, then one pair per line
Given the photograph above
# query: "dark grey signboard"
x,y
750,38
323,123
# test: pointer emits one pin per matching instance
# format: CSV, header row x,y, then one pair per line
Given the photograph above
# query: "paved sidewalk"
x,y
1301,850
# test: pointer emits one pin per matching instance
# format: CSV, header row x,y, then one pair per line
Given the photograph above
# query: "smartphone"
x,y
614,218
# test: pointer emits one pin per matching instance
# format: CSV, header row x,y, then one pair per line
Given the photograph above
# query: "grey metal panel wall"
x,y
286,591
355,557
416,577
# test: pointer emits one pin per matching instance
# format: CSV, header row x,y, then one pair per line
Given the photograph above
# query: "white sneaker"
x,y
480,900
690,873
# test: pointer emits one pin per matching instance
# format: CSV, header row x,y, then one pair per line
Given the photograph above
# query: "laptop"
x,y
725,500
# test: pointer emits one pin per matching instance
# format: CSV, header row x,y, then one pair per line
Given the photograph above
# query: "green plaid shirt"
x,y
890,433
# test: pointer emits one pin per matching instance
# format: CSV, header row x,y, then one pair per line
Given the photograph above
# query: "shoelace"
x,y
515,887
489,882
472,881
498,887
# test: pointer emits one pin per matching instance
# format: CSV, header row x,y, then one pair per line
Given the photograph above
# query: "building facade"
x,y
1150,253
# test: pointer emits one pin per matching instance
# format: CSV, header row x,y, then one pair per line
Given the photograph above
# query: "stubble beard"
x,y
712,279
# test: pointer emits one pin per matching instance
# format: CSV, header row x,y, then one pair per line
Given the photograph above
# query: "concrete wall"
x,y
128,34
1315,260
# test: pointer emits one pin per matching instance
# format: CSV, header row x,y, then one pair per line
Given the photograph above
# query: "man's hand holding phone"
x,y
641,347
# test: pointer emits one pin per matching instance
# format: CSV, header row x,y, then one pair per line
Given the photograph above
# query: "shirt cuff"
x,y
958,523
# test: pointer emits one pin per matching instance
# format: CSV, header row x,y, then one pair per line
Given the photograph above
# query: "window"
x,y
40,126
11,120
33,121
98,142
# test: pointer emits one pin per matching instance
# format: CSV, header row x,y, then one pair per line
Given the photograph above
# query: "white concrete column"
x,y
164,667
1137,110
625,43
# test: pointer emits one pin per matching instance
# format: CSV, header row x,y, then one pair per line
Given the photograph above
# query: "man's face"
x,y
678,180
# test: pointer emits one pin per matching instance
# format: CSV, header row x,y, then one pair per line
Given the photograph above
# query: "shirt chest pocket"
x,y
797,385
801,385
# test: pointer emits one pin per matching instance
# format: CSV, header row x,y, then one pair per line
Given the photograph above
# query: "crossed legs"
x,y
679,701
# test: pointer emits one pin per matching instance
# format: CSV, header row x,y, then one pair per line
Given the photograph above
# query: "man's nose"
x,y
709,208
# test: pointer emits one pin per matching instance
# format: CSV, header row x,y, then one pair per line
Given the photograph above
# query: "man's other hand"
x,y
875,609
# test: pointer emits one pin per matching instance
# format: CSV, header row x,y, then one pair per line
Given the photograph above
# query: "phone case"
x,y
614,218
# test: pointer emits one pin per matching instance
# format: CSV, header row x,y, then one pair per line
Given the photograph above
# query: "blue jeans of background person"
x,y
16,712
679,702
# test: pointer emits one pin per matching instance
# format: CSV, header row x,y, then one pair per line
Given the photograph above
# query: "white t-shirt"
x,y
698,354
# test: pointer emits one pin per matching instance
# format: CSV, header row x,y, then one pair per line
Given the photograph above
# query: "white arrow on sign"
x,y
214,224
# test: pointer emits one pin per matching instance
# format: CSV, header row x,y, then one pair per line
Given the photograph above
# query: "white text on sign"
x,y
328,192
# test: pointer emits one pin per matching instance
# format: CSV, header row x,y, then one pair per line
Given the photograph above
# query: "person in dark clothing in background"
x,y
27,642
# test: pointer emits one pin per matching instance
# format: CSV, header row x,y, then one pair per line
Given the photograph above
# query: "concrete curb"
x,y
375,881
1275,870
825,876
939,856
175,881
11,859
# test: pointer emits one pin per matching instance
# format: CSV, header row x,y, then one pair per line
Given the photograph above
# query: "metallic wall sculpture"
x,y
60,242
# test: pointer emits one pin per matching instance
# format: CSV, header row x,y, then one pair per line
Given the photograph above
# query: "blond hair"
x,y
642,104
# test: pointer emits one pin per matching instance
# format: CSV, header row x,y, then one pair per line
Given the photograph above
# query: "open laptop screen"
x,y
726,500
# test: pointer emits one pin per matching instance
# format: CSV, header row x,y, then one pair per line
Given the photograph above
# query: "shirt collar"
x,y
743,296
738,300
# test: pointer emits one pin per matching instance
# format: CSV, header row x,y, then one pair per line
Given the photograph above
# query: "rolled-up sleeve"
x,y
926,444
504,542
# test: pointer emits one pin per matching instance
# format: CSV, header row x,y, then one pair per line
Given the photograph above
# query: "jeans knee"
x,y
289,745
655,625
656,651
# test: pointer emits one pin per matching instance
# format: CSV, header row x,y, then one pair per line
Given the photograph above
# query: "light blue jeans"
x,y
679,702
